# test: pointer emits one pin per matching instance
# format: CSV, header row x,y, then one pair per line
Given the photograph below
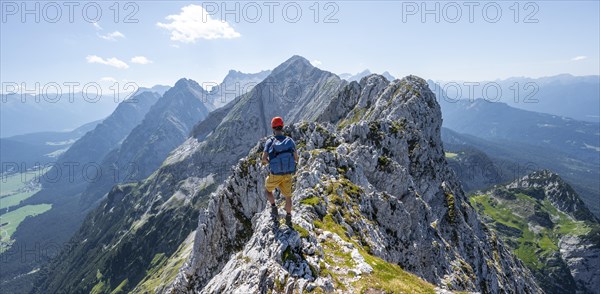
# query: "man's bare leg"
x,y
288,204
288,209
271,198
274,212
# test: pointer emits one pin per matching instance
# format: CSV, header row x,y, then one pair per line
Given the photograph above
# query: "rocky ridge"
x,y
373,191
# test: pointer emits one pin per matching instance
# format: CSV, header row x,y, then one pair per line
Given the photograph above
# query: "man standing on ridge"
x,y
280,153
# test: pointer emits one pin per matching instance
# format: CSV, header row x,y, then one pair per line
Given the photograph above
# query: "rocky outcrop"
x,y
546,224
371,192
582,256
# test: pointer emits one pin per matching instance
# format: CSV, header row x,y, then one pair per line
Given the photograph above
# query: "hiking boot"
x,y
288,220
274,213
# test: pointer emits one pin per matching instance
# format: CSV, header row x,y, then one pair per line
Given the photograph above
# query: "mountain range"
x,y
574,97
380,202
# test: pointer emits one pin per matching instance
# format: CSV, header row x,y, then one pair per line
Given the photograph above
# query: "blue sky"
x,y
546,38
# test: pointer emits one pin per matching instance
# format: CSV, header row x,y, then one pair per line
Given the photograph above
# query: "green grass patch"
x,y
162,270
386,276
17,187
397,127
121,288
391,278
358,113
14,182
450,202
100,288
450,155
312,201
497,211
288,254
303,232
11,220
15,199
531,247
565,224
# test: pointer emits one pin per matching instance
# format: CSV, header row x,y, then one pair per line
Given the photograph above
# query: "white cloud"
x,y
108,79
141,60
316,62
195,23
578,58
112,36
97,26
114,62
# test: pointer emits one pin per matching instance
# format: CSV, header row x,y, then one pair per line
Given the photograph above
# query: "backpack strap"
x,y
275,153
269,142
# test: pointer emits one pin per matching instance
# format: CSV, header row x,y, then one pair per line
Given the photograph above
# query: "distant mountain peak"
x,y
185,82
298,58
357,77
557,191
235,75
295,62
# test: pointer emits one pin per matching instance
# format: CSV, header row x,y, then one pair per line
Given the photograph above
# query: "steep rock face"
x,y
582,255
546,224
380,184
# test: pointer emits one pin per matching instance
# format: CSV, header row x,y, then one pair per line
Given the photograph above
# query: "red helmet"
x,y
277,122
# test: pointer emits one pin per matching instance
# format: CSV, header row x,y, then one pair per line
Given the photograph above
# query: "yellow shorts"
x,y
283,182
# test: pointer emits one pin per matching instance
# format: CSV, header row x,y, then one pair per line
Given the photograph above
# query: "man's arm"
x,y
265,158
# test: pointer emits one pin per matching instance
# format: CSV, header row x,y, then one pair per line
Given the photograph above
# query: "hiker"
x,y
280,153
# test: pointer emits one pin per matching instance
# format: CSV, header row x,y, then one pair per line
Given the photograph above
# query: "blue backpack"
x,y
281,155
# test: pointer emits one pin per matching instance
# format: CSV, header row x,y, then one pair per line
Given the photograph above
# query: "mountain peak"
x,y
184,82
298,58
547,184
295,62
238,75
